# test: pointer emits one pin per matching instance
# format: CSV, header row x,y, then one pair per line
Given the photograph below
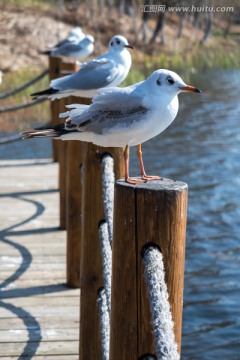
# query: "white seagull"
x,y
75,34
123,117
78,49
107,70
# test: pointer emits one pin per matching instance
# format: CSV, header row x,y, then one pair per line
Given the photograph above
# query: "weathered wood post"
x,y
54,72
91,264
69,155
152,212
66,68
74,206
74,212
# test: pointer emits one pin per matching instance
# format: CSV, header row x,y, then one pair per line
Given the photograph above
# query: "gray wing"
x,y
62,43
93,75
117,98
110,121
111,110
68,49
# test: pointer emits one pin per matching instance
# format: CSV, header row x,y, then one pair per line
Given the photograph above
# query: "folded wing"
x,y
92,75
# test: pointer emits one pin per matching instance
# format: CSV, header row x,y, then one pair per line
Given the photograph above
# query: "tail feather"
x,y
46,52
53,132
45,93
40,133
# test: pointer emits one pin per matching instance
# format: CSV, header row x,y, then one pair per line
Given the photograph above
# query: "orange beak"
x,y
129,46
190,88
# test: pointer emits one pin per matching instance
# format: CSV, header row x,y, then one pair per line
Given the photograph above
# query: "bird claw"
x,y
150,177
135,181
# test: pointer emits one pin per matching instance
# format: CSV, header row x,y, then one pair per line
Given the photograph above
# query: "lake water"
x,y
202,148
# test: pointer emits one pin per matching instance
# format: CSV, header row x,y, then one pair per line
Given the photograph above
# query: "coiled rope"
x,y
108,180
105,236
107,261
165,345
23,86
104,323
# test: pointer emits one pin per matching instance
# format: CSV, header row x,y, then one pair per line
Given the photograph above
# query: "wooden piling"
x,y
65,68
54,72
74,163
152,212
74,212
62,174
91,263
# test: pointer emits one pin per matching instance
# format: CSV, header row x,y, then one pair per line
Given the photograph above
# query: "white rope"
x,y
104,324
165,345
108,180
105,235
106,260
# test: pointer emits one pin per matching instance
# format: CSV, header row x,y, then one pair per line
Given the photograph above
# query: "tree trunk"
x,y
208,27
159,28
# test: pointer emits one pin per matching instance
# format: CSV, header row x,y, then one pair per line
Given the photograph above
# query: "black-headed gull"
x,y
123,117
78,49
106,70
75,34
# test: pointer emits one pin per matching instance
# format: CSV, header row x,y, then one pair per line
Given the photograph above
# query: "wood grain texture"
x,y
158,210
74,180
91,263
62,149
54,72
124,324
74,212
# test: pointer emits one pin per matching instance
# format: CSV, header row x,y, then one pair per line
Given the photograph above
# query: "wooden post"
x,y
66,67
91,263
152,212
54,72
74,212
74,206
62,159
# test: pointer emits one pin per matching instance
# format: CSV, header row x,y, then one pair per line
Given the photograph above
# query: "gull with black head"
x,y
78,49
124,117
107,70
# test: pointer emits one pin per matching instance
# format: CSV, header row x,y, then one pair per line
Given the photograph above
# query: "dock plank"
x,y
39,314
47,347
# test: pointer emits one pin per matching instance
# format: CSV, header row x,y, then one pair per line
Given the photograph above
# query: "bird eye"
x,y
118,41
170,81
112,43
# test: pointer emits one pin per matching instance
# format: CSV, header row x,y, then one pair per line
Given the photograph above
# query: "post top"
x,y
156,185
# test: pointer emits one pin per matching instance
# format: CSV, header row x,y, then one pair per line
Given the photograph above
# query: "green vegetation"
x,y
200,58
21,119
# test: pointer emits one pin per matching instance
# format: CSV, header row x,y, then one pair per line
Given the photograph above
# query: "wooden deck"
x,y
39,315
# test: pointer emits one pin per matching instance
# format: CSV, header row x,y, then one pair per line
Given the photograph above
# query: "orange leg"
x,y
142,170
126,169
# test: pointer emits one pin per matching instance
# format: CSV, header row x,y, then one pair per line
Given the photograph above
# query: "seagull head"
x,y
168,82
119,43
76,31
89,39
